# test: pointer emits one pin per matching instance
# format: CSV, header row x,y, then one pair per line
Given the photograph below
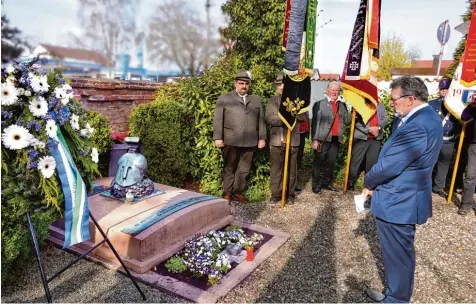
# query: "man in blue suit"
x,y
400,184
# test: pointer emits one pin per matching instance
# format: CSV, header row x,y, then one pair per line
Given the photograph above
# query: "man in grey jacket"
x,y
329,118
238,127
277,142
367,142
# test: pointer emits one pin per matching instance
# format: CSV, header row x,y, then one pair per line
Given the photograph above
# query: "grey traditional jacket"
x,y
278,130
239,124
362,131
323,118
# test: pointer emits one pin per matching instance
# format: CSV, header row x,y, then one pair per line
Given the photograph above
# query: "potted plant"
x,y
249,244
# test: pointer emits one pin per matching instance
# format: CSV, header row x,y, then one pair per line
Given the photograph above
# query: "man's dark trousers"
x,y
324,161
361,149
277,169
302,144
443,165
237,167
470,179
398,251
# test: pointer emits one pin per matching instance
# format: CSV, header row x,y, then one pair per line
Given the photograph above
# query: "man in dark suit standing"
x,y
469,182
238,127
329,118
400,184
277,142
367,142
451,127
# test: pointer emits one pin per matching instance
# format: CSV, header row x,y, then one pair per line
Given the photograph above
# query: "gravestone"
x,y
149,231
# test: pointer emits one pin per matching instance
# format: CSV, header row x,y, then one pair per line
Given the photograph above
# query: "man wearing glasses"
x,y
238,127
400,184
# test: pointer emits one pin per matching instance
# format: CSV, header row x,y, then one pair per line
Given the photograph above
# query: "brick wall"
x,y
115,99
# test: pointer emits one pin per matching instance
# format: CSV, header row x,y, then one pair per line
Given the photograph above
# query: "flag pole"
x,y
285,176
455,169
349,151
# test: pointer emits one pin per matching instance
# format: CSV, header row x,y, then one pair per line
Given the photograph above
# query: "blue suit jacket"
x,y
401,178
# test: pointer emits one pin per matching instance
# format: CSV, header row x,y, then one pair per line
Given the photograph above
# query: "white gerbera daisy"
x,y
95,155
39,84
9,93
47,166
16,137
51,128
38,106
74,121
61,95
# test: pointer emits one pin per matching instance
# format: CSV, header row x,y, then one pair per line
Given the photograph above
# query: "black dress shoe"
x,y
298,189
441,193
316,190
350,188
330,187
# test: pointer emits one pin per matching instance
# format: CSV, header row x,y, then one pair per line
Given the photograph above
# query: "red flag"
x,y
468,74
287,15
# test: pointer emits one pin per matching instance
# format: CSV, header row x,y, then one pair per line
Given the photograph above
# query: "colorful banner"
x,y
76,211
359,77
287,16
310,36
295,99
459,96
294,38
468,74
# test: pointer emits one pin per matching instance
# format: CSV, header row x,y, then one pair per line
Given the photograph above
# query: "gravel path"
x,y
332,256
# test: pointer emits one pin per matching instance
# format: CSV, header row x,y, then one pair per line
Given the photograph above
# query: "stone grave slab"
x,y
214,293
150,231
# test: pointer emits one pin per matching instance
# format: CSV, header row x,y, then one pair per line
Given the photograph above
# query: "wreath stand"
x,y
40,263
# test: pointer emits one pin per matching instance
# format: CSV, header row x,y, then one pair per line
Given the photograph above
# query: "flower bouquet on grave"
x,y
48,157
249,244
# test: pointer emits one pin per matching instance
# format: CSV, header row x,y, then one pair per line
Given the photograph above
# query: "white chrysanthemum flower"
x,y
10,69
9,93
62,95
21,91
84,133
51,128
38,106
89,128
47,166
74,121
39,84
16,137
27,93
95,155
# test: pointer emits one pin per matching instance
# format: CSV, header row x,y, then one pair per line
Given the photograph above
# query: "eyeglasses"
x,y
403,96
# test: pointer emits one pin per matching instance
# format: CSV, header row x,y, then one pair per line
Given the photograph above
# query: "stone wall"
x,y
115,99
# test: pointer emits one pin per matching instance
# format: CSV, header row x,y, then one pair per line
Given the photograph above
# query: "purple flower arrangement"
x,y
202,254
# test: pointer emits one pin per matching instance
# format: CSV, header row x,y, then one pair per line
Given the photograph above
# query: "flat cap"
x,y
444,84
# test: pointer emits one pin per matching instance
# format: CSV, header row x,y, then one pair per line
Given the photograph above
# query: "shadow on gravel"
x,y
310,273
368,229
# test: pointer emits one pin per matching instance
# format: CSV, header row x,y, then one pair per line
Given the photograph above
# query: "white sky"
x,y
50,21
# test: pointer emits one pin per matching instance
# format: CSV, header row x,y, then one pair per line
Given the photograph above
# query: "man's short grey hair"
x,y
333,81
411,86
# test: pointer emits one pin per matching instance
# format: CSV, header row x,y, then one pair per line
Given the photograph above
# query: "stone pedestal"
x,y
159,241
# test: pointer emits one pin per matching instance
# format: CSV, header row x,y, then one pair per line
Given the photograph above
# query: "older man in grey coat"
x,y
238,127
329,118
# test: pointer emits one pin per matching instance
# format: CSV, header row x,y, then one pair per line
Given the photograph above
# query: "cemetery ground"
x,y
333,255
